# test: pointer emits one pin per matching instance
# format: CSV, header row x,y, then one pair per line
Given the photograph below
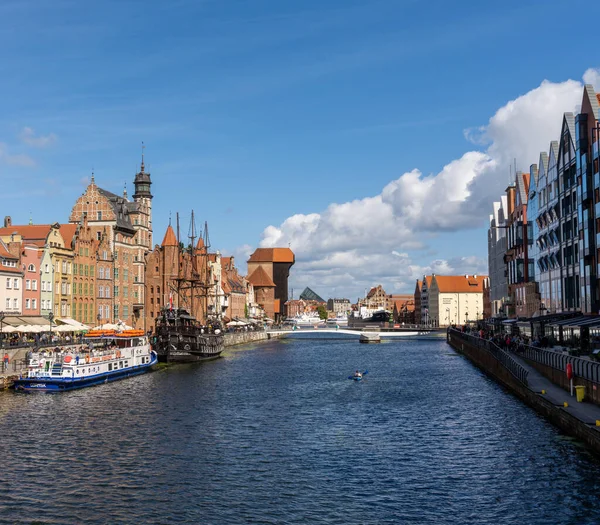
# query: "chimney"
x,y
466,275
475,276
7,221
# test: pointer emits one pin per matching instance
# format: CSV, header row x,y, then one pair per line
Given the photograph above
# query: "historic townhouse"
x,y
11,281
455,299
31,257
234,288
128,229
587,129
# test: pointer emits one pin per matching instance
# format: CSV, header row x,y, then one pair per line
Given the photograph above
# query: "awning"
x,y
72,322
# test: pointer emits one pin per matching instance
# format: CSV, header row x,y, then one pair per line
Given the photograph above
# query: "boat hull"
x,y
52,385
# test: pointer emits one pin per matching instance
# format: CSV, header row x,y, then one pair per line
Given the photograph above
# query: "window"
x,y
43,286
46,268
64,267
116,273
34,284
106,311
27,304
107,293
135,278
101,292
105,255
63,309
98,236
49,288
99,215
68,267
92,271
91,289
63,288
33,304
16,284
27,284
31,268
125,311
8,283
16,304
125,291
87,252
100,311
100,273
116,311
8,304
116,292
85,289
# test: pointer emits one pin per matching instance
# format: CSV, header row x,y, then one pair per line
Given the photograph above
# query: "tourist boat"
x,y
106,355
180,338
306,320
338,321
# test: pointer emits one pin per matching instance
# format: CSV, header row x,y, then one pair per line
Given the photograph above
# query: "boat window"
x,y
126,363
120,364
109,367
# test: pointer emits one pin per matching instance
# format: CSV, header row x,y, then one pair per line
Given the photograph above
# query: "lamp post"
x,y
51,318
2,316
466,317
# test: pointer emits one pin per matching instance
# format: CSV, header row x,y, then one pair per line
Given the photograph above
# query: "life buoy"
x,y
67,359
569,371
87,358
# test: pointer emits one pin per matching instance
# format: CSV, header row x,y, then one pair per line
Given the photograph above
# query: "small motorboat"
x,y
357,376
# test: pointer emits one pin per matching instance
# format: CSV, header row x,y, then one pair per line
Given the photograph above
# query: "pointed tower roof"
x,y
170,239
259,278
200,243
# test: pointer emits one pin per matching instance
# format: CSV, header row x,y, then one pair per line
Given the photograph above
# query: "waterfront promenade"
x,y
579,419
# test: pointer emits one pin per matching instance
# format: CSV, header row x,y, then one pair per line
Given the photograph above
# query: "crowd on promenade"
x,y
512,343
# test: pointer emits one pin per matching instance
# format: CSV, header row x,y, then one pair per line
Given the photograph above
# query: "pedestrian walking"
x,y
5,360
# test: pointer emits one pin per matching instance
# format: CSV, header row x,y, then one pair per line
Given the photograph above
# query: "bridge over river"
x,y
357,332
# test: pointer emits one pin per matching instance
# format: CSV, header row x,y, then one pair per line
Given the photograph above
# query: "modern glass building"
x,y
587,132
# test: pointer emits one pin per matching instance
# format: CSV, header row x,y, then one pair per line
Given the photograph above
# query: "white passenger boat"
x,y
105,356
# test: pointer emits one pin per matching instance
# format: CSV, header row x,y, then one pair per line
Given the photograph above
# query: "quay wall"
x,y
241,338
556,414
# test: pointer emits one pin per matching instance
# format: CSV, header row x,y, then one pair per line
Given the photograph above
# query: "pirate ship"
x,y
185,332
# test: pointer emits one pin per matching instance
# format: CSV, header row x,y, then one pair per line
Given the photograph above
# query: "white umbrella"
x,y
8,329
236,323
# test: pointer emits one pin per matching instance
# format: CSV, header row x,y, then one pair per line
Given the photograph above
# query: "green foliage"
x,y
322,311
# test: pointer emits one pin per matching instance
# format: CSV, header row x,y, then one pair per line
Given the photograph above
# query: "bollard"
x,y
598,422
543,391
565,404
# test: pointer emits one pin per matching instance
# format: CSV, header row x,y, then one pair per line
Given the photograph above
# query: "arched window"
x,y
31,268
152,289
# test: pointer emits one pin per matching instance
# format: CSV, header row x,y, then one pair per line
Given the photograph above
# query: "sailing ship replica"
x,y
181,337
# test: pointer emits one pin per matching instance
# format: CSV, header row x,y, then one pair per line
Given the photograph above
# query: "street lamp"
x,y
466,317
50,318
2,316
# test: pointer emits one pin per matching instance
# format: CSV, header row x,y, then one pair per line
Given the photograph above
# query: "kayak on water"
x,y
357,376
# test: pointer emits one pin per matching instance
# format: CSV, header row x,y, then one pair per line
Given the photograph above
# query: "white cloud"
x,y
28,137
357,244
592,76
15,160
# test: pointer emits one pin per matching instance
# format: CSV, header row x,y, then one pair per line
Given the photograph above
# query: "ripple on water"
x,y
277,434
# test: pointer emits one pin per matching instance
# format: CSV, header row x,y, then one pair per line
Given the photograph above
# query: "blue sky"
x,y
255,111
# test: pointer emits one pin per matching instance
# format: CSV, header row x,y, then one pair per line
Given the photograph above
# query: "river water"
x,y
276,433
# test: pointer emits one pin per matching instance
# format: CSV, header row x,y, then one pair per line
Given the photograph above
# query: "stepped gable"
x,y
309,295
170,239
277,255
260,279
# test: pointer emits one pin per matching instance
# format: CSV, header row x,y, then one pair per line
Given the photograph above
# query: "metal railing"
x,y
14,367
502,356
584,368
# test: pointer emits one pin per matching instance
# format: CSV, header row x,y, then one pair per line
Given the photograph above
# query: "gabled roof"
x,y
121,209
68,232
170,239
460,283
277,255
30,232
594,99
259,278
543,165
522,187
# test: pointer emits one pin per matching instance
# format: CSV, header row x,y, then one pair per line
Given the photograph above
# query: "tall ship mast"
x,y
184,333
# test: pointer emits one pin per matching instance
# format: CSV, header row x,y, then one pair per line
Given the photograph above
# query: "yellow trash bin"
x,y
580,392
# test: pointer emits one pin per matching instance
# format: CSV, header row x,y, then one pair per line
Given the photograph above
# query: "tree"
x,y
322,312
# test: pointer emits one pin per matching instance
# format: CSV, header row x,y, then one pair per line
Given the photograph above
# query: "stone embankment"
x,y
240,338
578,419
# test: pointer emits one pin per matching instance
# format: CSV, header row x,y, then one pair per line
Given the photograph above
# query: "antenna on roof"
x,y
142,166
169,217
30,219
92,181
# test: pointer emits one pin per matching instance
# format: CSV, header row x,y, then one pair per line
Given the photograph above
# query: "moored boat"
x,y
107,355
